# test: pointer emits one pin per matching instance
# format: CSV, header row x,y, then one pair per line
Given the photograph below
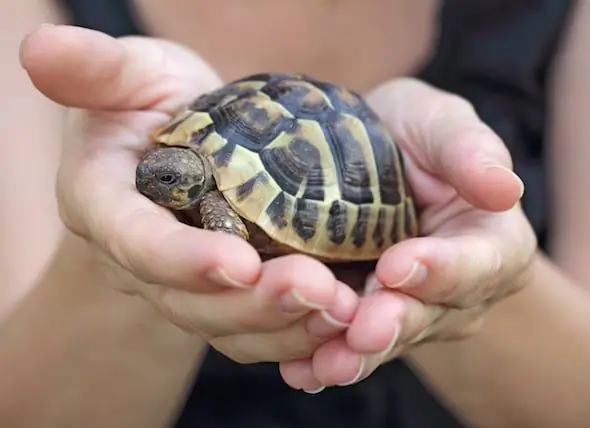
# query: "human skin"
x,y
515,315
266,312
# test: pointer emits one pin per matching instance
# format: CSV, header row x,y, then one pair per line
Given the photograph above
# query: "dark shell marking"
x,y
306,161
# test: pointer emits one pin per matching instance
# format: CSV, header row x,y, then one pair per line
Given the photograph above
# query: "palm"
x,y
125,88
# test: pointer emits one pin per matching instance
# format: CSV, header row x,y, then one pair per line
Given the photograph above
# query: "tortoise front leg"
x,y
217,214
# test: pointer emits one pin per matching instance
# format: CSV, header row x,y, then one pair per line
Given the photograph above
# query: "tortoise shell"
x,y
308,162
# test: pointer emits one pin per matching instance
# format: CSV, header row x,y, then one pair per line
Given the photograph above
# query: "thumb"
x,y
82,68
445,138
471,157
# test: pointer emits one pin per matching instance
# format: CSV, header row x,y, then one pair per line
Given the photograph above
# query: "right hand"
x,y
210,284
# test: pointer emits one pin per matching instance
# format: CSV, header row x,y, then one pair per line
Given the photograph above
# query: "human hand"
x,y
207,283
476,245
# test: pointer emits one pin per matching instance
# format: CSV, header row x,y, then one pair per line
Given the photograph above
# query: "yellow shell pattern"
x,y
307,161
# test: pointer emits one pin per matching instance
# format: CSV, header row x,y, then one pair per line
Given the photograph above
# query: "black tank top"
x,y
496,53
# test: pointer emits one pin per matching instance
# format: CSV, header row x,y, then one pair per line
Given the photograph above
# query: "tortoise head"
x,y
173,177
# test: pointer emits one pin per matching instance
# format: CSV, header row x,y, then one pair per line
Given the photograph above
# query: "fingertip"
x,y
501,189
336,318
161,250
491,187
83,68
24,47
242,264
61,59
298,374
376,323
345,305
407,263
477,163
308,280
334,363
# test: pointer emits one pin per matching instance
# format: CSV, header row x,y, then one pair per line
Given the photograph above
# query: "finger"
x,y
443,135
83,68
423,324
378,317
337,317
298,374
350,360
481,262
457,324
288,344
280,297
324,325
157,249
99,202
334,363
377,322
402,320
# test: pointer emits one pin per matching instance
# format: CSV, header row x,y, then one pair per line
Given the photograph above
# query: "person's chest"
x,y
356,43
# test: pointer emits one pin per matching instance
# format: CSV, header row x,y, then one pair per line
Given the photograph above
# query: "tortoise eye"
x,y
168,178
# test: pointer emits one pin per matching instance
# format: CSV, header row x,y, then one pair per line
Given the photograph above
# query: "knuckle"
x,y
176,307
297,348
482,292
446,104
281,274
464,331
70,207
462,324
231,348
518,276
114,242
76,191
173,315
248,321
485,283
122,238
448,294
122,280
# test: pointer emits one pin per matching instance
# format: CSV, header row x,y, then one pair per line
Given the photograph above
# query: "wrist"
x,y
76,337
80,292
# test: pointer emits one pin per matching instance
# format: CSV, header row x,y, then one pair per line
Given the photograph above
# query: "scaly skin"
x,y
216,214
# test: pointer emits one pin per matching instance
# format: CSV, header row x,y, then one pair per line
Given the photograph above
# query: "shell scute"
x,y
308,162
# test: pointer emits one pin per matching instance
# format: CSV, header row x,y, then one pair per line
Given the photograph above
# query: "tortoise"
x,y
290,163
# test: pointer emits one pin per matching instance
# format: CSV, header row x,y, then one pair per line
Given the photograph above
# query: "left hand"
x,y
122,89
475,248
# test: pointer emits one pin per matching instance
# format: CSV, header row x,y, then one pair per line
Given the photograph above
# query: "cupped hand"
x,y
475,248
211,284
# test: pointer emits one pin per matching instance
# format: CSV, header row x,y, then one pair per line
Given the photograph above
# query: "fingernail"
x,y
509,171
314,391
372,284
392,344
220,277
521,184
358,375
292,302
333,321
24,40
324,326
417,275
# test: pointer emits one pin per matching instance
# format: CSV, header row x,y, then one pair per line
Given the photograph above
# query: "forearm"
x,y
529,365
29,156
78,353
